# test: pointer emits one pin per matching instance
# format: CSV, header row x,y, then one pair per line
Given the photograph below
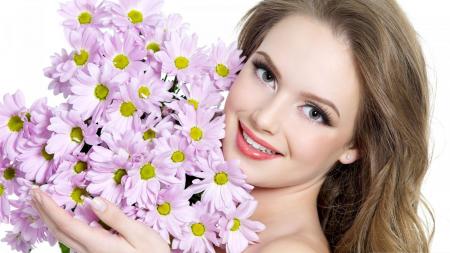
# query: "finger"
x,y
61,220
69,242
133,231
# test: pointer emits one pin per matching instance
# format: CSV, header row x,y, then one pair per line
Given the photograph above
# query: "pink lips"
x,y
251,152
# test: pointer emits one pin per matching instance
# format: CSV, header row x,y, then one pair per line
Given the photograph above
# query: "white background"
x,y
30,32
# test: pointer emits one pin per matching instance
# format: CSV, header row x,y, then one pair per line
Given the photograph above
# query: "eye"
x,y
316,114
264,74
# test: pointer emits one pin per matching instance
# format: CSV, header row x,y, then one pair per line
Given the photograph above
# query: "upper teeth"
x,y
256,145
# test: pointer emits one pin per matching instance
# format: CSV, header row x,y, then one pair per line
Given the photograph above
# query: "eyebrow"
x,y
304,94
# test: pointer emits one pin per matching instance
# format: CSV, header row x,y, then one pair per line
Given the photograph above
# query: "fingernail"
x,y
99,204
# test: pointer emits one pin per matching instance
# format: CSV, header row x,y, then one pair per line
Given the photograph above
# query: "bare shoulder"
x,y
293,244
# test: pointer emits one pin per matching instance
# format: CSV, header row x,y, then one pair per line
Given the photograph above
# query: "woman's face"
x,y
279,96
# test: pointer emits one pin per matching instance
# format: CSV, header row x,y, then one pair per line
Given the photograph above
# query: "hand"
x,y
135,237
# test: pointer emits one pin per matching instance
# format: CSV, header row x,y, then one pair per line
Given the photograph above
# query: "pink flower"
x,y
110,166
223,183
34,160
94,91
237,231
170,213
60,72
201,94
199,234
144,181
38,119
136,14
123,114
69,134
176,152
199,127
12,119
4,203
152,127
8,177
81,14
123,53
181,57
28,224
149,91
225,64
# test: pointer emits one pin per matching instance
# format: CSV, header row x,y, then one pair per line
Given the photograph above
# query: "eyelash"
x,y
257,64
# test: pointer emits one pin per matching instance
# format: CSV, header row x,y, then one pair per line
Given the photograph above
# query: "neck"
x,y
287,209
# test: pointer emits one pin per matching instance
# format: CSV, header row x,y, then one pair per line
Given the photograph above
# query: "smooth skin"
x,y
311,59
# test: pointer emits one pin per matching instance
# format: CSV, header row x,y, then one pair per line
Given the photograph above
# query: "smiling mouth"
x,y
255,143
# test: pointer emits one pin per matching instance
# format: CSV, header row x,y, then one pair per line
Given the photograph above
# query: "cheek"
x,y
312,148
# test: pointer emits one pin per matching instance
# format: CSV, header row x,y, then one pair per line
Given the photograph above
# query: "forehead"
x,y
311,58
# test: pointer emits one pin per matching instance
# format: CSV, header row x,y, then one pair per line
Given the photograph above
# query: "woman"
x,y
335,94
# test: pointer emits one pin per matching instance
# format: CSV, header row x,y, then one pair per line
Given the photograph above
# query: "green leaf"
x,y
64,248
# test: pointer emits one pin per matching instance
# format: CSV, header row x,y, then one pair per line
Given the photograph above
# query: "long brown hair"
x,y
372,204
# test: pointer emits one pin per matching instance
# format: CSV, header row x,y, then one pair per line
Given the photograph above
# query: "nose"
x,y
268,117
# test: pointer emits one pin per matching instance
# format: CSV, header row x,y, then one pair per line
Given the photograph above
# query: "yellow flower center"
x,y
127,109
2,189
177,156
15,123
46,155
148,171
196,133
118,174
77,193
221,178
222,70
153,46
79,167
135,16
236,224
76,135
101,91
144,92
81,58
193,102
9,173
198,229
164,208
121,61
149,135
181,62
85,18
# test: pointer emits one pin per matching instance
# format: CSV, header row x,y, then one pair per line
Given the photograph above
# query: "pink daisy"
x,y
225,64
123,114
181,57
39,119
223,184
176,152
34,160
144,181
152,127
60,72
81,14
199,127
237,231
136,14
69,134
94,91
199,235
4,203
110,166
149,91
12,119
123,53
201,94
171,212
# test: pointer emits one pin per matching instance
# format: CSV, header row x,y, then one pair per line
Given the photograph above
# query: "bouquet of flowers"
x,y
140,126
